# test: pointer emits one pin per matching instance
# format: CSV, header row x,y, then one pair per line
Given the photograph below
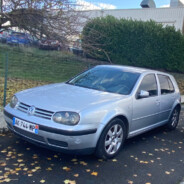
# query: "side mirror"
x,y
143,94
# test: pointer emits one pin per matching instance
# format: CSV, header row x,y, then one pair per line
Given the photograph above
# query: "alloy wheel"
x,y
113,139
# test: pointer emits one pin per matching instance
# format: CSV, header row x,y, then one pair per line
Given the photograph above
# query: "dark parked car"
x,y
50,44
77,47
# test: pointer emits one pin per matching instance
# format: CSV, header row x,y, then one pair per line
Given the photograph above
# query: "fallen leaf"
x,y
20,154
42,181
83,163
167,172
7,180
37,168
74,160
94,174
69,182
49,169
130,182
76,175
66,169
18,169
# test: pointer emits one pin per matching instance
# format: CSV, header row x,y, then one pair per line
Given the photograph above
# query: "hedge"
x,y
136,43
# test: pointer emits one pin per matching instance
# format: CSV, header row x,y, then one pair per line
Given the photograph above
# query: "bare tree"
x,y
52,18
94,46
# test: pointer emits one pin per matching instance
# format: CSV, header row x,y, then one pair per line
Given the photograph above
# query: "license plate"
x,y
30,127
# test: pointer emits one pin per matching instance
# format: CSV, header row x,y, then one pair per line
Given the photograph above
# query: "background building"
x,y
172,16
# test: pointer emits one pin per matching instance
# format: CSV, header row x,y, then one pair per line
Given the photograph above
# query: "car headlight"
x,y
14,102
67,118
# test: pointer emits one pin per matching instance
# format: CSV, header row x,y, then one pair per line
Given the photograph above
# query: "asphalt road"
x,y
156,157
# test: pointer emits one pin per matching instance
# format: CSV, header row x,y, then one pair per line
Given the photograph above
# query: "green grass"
x,y
35,64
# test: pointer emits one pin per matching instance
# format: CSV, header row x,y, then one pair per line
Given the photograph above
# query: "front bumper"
x,y
53,138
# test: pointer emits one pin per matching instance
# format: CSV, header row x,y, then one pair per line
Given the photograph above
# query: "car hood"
x,y
65,97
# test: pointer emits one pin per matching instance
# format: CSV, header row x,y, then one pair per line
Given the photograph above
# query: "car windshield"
x,y
107,79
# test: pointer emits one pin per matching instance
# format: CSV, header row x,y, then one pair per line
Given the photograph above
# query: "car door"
x,y
167,96
146,110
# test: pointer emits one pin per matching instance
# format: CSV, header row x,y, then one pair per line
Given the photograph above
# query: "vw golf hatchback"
x,y
95,111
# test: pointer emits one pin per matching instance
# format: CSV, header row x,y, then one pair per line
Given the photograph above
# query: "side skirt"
x,y
146,129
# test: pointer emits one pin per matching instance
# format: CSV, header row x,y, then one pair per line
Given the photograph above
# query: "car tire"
x,y
174,119
111,139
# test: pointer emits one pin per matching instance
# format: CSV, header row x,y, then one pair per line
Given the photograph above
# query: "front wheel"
x,y
174,119
111,139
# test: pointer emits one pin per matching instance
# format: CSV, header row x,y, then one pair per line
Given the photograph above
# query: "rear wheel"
x,y
174,119
111,139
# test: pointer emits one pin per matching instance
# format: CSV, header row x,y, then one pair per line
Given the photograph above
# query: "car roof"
x,y
131,69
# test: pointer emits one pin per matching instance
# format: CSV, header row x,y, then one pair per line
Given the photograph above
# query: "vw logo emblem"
x,y
31,110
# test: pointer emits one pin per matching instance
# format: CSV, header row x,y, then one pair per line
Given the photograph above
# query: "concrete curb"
x,y
3,125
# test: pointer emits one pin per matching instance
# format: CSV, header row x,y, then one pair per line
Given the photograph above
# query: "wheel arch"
x,y
98,152
123,118
177,105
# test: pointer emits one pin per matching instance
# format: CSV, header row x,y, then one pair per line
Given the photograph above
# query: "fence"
x,y
22,68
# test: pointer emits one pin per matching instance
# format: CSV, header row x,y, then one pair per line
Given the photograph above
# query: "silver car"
x,y
95,111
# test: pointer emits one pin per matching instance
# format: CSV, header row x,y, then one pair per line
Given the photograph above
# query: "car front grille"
x,y
38,112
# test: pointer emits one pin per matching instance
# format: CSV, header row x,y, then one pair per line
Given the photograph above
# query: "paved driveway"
x,y
156,157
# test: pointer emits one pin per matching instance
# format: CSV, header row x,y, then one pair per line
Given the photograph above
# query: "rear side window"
x,y
166,85
149,84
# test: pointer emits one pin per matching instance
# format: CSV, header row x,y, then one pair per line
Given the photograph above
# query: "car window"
x,y
166,85
107,79
149,84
